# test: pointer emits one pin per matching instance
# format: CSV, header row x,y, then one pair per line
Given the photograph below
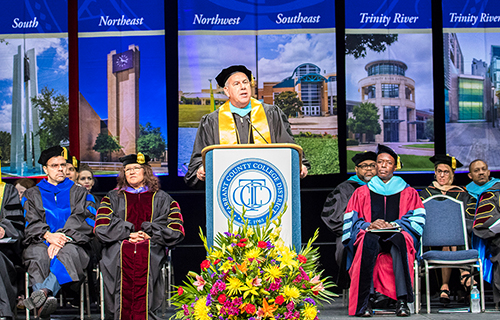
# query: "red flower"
x,y
244,240
205,264
262,244
180,291
216,261
221,298
250,308
302,259
279,300
241,244
315,293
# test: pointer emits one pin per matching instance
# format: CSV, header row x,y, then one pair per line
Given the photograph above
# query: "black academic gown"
x,y
12,221
208,134
120,214
63,208
333,216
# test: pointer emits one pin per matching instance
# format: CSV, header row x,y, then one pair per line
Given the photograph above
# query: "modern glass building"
x,y
470,98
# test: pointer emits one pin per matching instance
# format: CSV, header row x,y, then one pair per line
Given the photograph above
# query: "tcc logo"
x,y
252,194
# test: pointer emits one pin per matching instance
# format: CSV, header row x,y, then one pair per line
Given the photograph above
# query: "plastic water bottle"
x,y
474,300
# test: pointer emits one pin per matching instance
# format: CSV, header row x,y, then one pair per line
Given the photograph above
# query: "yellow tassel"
x,y
252,81
453,163
398,166
75,162
140,158
65,153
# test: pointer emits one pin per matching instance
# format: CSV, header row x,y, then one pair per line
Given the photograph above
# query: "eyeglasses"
x,y
132,169
440,172
56,166
368,166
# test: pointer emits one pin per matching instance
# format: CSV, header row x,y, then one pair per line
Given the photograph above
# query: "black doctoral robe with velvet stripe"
x,y
208,135
138,264
12,221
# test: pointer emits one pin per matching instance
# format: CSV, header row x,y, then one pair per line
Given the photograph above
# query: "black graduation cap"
x,y
385,149
72,159
363,156
446,159
226,73
135,158
54,151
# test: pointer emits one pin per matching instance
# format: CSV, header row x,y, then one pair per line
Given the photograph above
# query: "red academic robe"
x,y
359,210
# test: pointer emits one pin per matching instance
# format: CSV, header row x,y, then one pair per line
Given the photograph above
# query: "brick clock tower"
x,y
123,97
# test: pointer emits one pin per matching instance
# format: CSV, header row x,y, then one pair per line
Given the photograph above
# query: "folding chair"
x,y
444,227
84,286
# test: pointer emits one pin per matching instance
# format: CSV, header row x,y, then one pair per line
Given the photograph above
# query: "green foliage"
x,y
289,103
53,110
151,141
322,153
429,129
196,100
106,144
352,142
357,44
410,162
365,119
190,115
5,145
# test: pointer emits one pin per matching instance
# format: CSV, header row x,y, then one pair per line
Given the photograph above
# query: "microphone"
x,y
250,122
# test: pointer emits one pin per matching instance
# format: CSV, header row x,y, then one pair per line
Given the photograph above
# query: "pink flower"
x,y
199,283
256,282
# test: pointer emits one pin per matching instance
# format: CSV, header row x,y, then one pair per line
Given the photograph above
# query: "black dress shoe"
x,y
47,308
402,309
36,299
367,313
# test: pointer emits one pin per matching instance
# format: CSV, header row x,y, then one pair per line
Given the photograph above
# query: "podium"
x,y
254,177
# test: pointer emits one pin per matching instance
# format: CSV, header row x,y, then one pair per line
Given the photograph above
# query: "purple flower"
x,y
209,299
311,301
233,245
230,258
228,234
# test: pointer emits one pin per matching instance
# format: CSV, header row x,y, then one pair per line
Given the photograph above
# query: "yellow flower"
x,y
249,232
253,253
226,266
309,312
249,288
290,292
201,309
276,233
218,254
234,286
287,258
272,272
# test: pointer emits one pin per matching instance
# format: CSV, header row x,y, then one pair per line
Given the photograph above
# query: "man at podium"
x,y
240,120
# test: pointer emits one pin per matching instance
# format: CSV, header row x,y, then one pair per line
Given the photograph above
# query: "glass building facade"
x,y
470,99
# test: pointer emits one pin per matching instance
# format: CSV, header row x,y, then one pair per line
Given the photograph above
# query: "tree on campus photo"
x,y
106,144
53,112
5,145
429,129
151,141
365,119
289,103
357,44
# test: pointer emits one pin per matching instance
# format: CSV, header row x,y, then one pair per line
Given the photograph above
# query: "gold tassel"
x,y
453,163
252,81
75,162
140,158
65,153
398,166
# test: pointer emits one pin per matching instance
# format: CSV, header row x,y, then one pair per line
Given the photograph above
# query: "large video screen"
x,y
389,80
290,49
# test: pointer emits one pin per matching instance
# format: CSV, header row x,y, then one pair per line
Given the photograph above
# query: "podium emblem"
x,y
253,184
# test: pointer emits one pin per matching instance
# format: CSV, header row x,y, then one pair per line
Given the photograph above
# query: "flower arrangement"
x,y
249,273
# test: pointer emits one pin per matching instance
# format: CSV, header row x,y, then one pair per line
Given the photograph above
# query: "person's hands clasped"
x,y
57,239
53,250
379,224
138,236
200,173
